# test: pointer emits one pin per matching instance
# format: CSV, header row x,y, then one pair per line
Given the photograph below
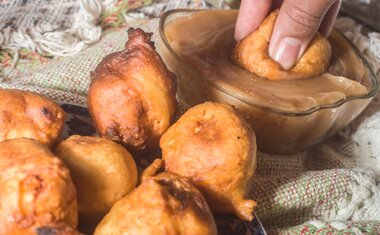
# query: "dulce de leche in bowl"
x,y
288,116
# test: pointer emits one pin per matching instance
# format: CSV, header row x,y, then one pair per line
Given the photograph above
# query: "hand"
x,y
296,24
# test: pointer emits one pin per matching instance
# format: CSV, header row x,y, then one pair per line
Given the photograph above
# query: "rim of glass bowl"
x,y
372,77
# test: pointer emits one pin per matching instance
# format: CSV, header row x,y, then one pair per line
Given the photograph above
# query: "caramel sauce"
x,y
285,115
205,41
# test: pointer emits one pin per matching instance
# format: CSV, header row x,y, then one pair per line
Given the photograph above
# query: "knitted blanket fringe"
x,y
44,38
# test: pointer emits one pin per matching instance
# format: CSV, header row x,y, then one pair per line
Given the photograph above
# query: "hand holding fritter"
x,y
252,54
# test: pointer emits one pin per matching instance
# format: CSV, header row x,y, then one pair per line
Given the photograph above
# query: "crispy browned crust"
x,y
36,187
26,114
214,146
132,95
161,205
252,54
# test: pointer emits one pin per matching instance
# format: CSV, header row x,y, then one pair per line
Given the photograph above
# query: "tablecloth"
x,y
50,47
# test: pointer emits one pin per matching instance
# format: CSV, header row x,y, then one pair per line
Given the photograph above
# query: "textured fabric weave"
x,y
49,27
327,190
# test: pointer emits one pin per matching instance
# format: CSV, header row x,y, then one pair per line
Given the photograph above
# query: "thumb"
x,y
296,25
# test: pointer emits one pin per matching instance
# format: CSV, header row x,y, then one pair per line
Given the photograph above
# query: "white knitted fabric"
x,y
337,225
367,139
363,143
58,28
361,140
364,203
365,131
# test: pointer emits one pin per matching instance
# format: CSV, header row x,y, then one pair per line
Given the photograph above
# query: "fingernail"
x,y
287,52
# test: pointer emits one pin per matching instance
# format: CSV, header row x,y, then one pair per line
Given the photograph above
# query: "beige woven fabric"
x,y
45,27
327,186
27,14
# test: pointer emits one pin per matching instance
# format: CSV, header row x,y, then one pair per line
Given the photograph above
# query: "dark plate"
x,y
78,122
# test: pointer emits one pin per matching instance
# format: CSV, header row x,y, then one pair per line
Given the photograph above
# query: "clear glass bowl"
x,y
278,131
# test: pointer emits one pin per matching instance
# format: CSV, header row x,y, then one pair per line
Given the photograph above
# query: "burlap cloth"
x,y
330,189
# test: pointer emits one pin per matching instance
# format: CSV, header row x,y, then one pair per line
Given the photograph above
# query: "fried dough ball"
x,y
215,147
102,170
162,205
132,95
36,187
252,54
29,115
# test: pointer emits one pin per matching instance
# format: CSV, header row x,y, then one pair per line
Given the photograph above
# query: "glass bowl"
x,y
279,130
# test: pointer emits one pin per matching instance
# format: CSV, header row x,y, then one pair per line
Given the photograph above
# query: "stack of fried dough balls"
x,y
36,193
207,165
210,148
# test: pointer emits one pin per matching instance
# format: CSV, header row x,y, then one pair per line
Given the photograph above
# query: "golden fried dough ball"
x,y
103,172
252,54
36,187
29,115
214,146
132,95
161,205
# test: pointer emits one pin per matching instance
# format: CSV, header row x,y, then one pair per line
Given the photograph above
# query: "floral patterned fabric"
x,y
321,191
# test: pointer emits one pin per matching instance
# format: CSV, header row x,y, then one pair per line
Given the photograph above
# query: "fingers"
x,y
251,14
295,26
276,4
329,20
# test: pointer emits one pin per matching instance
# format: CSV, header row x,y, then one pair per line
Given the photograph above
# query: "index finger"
x,y
251,14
